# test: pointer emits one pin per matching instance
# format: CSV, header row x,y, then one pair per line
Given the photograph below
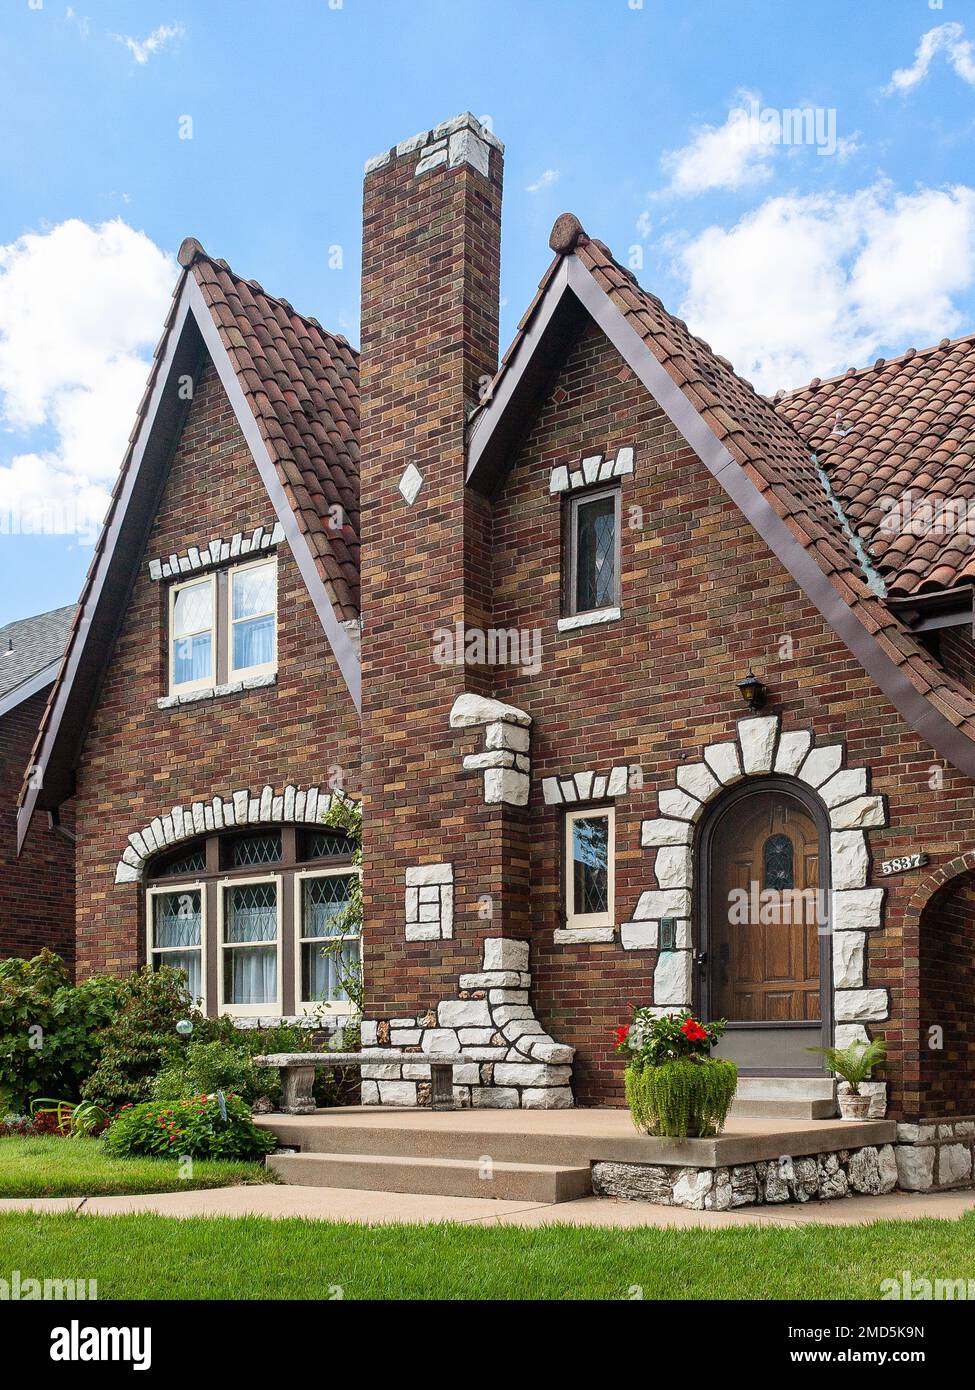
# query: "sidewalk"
x,y
346,1204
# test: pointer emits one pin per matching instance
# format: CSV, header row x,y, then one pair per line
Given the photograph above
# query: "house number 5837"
x,y
905,862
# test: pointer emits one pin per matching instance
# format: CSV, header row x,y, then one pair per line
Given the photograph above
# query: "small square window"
x,y
589,868
192,628
593,552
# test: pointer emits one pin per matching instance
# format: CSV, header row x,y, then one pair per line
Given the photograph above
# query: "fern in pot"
x,y
674,1087
853,1064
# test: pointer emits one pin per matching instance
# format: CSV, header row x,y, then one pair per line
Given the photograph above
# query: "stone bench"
x,y
298,1074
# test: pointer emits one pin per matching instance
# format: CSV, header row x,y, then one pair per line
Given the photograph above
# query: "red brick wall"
x,y
948,1000
702,599
140,761
36,890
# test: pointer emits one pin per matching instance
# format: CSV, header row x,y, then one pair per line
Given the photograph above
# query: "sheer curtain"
x,y
251,972
252,976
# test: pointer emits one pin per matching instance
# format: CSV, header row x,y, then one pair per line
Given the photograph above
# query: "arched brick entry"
x,y
941,924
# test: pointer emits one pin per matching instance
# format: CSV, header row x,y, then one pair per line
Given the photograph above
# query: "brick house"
x,y
644,656
37,886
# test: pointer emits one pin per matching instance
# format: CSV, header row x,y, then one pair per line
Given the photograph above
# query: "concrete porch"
x,y
562,1155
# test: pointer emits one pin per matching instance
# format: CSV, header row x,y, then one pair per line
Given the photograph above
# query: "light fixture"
x,y
753,690
184,1027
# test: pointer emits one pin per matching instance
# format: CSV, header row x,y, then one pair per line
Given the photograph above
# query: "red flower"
x,y
693,1031
622,1034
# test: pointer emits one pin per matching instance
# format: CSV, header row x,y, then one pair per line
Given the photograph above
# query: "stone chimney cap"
x,y
566,234
455,141
188,252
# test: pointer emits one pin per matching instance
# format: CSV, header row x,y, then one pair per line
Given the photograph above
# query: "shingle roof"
x,y
897,441
302,384
29,645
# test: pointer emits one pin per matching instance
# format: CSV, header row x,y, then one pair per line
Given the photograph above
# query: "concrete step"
x,y
785,1098
379,1135
441,1177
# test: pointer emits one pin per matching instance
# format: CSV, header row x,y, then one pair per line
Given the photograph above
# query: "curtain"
x,y
252,913
321,973
254,642
324,901
190,961
193,658
251,975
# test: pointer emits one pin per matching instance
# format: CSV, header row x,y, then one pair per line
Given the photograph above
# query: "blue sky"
x,y
660,125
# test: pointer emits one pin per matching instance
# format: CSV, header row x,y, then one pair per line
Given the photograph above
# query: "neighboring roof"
x,y
756,455
901,434
302,385
30,654
294,390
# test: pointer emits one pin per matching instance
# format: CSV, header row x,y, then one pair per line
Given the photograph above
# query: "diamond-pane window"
x,y
243,850
323,905
176,935
595,554
251,913
589,888
326,844
191,860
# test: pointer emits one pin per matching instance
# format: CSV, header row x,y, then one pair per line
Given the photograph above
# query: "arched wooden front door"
x,y
765,960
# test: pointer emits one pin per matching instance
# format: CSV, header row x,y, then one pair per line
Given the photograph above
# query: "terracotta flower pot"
x,y
853,1106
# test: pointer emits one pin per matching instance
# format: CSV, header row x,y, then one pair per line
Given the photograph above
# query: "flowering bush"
x,y
650,1040
215,1126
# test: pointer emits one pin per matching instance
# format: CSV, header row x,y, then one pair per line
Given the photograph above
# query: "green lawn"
x,y
81,1168
256,1258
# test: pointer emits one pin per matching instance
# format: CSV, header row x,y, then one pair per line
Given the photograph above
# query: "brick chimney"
x,y
430,301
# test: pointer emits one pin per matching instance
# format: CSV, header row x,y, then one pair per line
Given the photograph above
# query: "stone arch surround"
x,y
760,749
291,806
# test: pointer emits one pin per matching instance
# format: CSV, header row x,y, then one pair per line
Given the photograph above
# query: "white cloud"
x,y
143,49
544,180
734,155
806,286
80,309
948,39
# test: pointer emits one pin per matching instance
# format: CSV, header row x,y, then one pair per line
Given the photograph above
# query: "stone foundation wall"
x,y
868,1171
936,1155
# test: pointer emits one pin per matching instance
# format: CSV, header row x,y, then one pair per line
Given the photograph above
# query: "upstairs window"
x,y
193,622
223,627
593,552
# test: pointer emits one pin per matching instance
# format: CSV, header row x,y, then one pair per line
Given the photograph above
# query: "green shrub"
x,y
214,1126
207,1067
141,1040
49,1028
687,1096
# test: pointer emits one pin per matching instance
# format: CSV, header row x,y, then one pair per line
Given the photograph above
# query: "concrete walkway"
x,y
365,1208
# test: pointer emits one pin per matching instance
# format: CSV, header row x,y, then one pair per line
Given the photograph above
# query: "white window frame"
x,y
267,667
269,1007
153,951
341,1007
206,682
575,919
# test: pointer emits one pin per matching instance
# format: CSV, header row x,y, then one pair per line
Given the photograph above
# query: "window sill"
x,y
590,619
216,692
583,935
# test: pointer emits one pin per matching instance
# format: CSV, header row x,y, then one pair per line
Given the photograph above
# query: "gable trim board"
x,y
490,438
35,683
190,329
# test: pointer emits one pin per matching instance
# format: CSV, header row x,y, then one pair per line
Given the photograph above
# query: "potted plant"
x,y
674,1087
853,1064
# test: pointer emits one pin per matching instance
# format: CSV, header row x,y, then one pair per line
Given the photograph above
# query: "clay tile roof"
x,y
901,434
302,384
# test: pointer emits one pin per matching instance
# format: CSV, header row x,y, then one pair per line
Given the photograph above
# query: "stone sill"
x,y
217,692
583,936
590,619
